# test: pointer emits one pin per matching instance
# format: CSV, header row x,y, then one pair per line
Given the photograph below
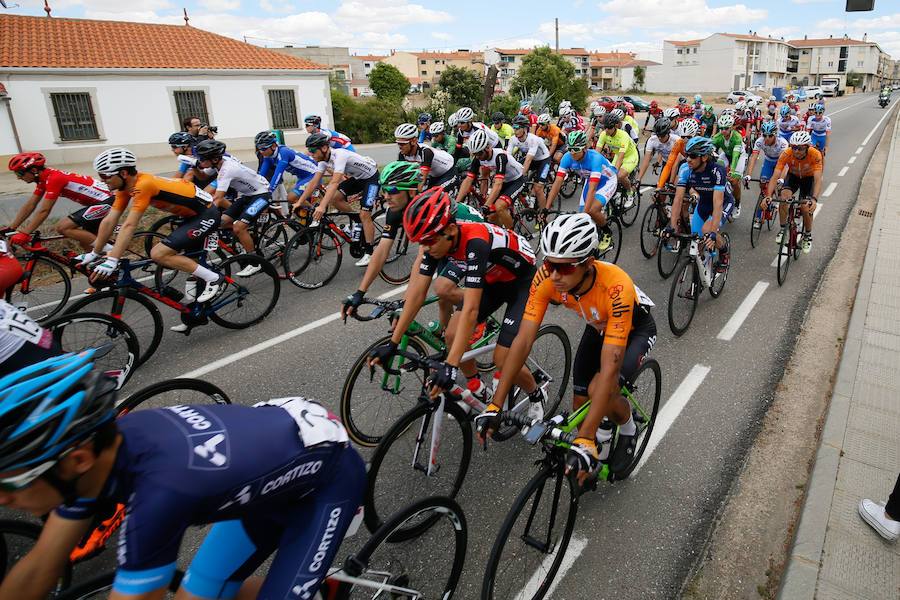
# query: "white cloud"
x,y
385,16
570,32
884,22
812,1
217,5
440,35
115,6
653,14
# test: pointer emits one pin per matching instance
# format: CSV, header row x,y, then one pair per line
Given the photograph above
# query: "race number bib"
x,y
4,248
263,218
316,424
211,242
203,195
20,324
643,299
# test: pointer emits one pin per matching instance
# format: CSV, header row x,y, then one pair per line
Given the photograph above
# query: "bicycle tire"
x,y
398,265
569,186
146,322
644,416
205,388
23,529
629,215
418,422
666,260
612,253
306,252
784,255
365,431
126,347
238,294
41,301
387,537
650,226
273,242
717,285
755,232
799,232
689,269
166,225
535,488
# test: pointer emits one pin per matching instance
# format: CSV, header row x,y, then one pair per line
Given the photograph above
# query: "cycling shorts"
x,y
818,140
701,216
514,294
29,354
803,184
628,165
511,190
539,170
369,189
306,538
89,217
768,168
605,191
193,230
587,357
248,208
449,181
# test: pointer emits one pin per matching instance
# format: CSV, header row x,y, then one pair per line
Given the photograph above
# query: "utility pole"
x,y
819,69
556,27
747,67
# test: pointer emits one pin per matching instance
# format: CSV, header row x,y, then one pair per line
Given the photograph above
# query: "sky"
x,y
377,26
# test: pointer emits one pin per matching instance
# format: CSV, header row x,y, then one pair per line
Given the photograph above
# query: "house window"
x,y
860,63
423,62
284,109
607,70
831,63
695,51
75,116
191,104
437,72
679,51
424,73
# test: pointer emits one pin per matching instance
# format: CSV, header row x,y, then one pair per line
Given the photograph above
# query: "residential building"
x,y
346,69
77,86
615,70
425,68
369,61
509,60
837,56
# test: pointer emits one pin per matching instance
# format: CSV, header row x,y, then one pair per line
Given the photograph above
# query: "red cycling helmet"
x,y
428,214
653,103
26,160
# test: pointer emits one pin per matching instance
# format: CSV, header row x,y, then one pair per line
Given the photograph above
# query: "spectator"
x,y
198,129
885,519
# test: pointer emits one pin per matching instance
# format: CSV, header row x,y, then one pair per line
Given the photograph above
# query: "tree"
x,y
388,82
544,68
463,85
854,79
639,74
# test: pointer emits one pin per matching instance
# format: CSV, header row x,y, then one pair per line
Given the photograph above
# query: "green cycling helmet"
x,y
577,140
402,175
707,108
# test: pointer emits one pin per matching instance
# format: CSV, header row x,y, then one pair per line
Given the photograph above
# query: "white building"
x,y
813,59
78,86
509,60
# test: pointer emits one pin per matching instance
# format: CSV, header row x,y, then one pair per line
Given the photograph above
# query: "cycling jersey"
x,y
788,125
633,130
338,140
532,118
711,179
17,329
620,143
770,151
170,195
732,147
349,163
239,178
493,138
532,145
302,166
434,161
448,145
819,126
663,148
772,107
501,165
505,131
53,183
593,166
551,134
805,167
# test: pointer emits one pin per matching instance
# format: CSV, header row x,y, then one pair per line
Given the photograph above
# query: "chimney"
x,y
804,36
830,36
864,36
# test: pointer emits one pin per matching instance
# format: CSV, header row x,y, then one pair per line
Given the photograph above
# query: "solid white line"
x,y
819,206
742,312
76,297
577,544
851,160
256,348
843,171
859,150
672,408
871,133
829,190
846,107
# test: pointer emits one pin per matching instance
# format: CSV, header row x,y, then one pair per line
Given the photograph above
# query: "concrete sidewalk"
x,y
836,555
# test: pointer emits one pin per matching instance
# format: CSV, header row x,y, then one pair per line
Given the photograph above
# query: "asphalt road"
x,y
633,539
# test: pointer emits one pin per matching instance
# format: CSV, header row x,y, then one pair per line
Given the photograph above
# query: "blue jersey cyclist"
x,y
708,181
277,159
601,181
277,477
313,125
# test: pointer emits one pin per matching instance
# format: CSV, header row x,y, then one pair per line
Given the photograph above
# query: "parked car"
x,y
799,93
609,103
738,95
596,88
639,103
813,91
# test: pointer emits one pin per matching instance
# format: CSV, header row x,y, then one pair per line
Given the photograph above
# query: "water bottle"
x,y
604,439
356,232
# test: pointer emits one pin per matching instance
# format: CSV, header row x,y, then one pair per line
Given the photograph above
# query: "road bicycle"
x,y
699,270
655,219
670,250
792,233
762,215
570,184
428,450
627,205
535,534
79,331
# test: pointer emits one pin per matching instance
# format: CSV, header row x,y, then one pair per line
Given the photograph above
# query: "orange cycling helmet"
x,y
26,160
428,214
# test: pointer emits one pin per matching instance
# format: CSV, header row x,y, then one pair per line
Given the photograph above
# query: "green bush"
x,y
504,103
368,121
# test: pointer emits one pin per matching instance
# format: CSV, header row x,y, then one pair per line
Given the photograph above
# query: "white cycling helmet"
x,y
570,236
618,113
565,111
436,128
800,138
465,115
452,120
740,105
564,104
671,113
406,131
771,98
594,104
478,141
110,161
751,103
726,121
727,111
688,128
599,111
544,119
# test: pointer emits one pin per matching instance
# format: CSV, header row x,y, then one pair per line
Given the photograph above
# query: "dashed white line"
x,y
742,312
874,129
843,171
829,190
859,150
672,408
851,160
576,546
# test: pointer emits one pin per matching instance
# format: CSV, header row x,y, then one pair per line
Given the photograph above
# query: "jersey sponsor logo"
x,y
191,416
303,591
307,468
334,519
508,321
614,291
205,225
619,308
242,497
208,450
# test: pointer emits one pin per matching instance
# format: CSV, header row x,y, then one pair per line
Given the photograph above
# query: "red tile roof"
x,y
840,41
563,51
451,55
370,57
84,44
683,42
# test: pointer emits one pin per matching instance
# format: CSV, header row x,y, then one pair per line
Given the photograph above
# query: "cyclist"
x,y
424,125
684,109
629,126
788,122
50,185
442,140
313,125
596,125
569,120
673,114
465,118
771,145
799,169
819,128
619,332
507,180
453,131
687,130
499,267
277,159
660,143
552,136
525,109
707,179
502,128
619,148
654,111
536,163
437,166
698,106
276,478
137,191
182,144
708,121
730,147
352,174
772,107
600,176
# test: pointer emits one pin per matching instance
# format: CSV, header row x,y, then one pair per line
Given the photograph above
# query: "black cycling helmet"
x,y
312,120
682,100
424,118
611,120
662,126
210,150
181,138
317,140
264,139
498,117
521,121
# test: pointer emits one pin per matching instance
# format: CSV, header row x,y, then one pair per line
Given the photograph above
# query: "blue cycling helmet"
x,y
699,145
181,138
819,108
785,110
51,406
264,139
769,128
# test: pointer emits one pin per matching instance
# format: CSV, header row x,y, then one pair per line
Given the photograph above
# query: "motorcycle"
x,y
883,101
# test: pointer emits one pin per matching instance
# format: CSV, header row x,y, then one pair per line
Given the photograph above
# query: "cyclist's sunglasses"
x,y
20,173
692,155
105,176
432,239
804,147
23,480
564,268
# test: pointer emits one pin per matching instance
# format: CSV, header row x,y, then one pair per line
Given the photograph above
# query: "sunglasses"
x,y
695,156
20,173
799,147
106,176
564,268
23,480
432,239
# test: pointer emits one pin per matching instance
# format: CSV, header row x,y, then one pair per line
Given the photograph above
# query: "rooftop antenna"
x,y
187,19
4,4
47,8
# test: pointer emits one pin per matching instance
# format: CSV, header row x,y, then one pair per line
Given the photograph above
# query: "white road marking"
x,y
851,160
577,544
671,409
829,190
846,107
874,129
819,206
858,150
742,312
843,171
264,345
76,296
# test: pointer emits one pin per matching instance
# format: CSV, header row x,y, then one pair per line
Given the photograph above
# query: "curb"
x,y
804,560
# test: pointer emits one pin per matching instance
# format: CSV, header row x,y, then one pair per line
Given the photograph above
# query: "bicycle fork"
x,y
437,415
545,546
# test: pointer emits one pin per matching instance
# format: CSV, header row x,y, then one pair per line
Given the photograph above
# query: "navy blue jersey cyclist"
x,y
276,477
276,159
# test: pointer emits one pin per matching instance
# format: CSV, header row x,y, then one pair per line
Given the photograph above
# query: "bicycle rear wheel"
x,y
651,224
44,289
683,296
756,223
630,213
611,254
570,184
644,392
399,262
717,285
667,256
172,392
273,242
245,301
75,332
533,538
313,257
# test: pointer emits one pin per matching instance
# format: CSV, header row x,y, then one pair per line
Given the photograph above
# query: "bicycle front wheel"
x,y
246,300
75,332
273,242
408,465
784,254
611,254
683,296
172,392
667,256
643,394
570,184
399,262
313,257
533,538
652,222
631,207
43,291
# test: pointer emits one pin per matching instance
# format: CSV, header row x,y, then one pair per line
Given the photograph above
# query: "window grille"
x,y
75,116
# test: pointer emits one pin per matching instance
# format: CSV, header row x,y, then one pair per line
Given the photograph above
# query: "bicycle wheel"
x,y
312,258
399,262
683,296
44,289
429,564
172,392
756,223
398,473
370,407
784,254
245,301
611,254
17,538
570,184
653,221
667,256
644,392
719,278
166,225
75,332
629,213
135,309
534,537
273,242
